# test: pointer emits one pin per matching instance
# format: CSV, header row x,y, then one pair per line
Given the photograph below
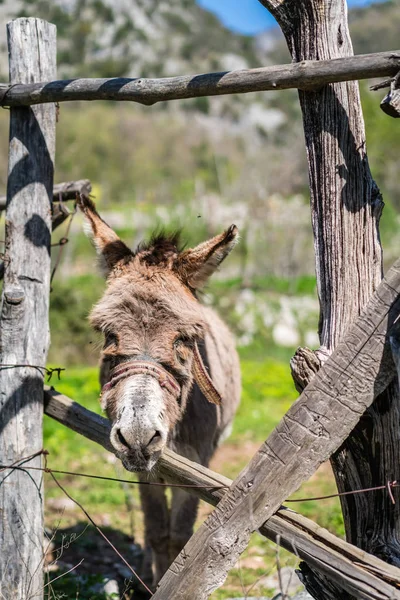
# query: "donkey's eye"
x,y
183,348
110,340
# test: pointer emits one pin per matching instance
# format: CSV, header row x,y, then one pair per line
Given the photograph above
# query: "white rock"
x,y
311,339
286,335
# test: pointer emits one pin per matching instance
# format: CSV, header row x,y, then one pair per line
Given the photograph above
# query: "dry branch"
x,y
391,102
361,574
303,75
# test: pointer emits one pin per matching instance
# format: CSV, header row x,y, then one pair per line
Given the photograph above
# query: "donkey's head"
x,y
151,322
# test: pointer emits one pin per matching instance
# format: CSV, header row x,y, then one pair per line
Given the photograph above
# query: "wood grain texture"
x,y
24,328
346,206
312,429
363,575
304,75
391,102
60,213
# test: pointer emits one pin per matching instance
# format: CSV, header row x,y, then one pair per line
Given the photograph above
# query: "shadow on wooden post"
x,y
24,326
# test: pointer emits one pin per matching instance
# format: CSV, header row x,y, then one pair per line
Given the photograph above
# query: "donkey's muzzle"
x,y
137,455
140,427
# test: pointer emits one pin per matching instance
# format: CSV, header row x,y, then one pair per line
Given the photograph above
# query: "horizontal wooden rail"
x,y
62,191
302,75
359,573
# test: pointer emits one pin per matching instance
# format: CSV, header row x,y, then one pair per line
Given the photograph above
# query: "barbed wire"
x,y
101,477
49,371
389,486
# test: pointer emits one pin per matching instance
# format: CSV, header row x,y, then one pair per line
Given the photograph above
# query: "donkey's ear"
x,y
110,248
196,265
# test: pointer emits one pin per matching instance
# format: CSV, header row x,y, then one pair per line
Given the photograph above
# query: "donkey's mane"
x,y
161,247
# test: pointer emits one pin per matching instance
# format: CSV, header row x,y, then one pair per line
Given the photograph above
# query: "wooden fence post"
x,y
24,327
346,207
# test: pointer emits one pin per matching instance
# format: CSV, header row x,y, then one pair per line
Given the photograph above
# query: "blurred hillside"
x,y
198,164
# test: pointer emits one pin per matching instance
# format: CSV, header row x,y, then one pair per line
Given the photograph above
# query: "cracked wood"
x,y
346,206
24,327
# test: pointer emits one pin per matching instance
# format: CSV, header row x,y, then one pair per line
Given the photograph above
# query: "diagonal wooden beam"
x,y
360,574
313,428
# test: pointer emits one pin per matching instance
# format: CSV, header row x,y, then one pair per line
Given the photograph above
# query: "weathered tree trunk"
x,y
346,207
24,328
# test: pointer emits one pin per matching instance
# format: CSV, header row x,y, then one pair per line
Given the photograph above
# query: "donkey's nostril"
x,y
156,438
122,439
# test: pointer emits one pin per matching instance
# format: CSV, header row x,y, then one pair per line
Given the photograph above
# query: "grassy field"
x,y
267,393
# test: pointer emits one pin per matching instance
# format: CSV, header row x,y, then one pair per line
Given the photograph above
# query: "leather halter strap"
x,y
165,379
203,379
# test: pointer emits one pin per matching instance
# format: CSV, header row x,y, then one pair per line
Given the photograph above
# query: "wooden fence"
x,y
314,428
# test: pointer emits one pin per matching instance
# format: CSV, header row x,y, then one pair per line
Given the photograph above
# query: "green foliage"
x,y
375,27
83,386
69,586
72,339
303,285
268,392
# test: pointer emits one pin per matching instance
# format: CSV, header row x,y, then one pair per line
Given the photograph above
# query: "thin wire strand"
x,y
42,370
389,486
23,460
48,470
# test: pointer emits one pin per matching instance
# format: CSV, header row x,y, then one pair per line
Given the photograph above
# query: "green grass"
x,y
268,392
306,284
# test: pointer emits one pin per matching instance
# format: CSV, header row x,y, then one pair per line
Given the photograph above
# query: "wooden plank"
x,y
361,574
24,328
312,429
302,75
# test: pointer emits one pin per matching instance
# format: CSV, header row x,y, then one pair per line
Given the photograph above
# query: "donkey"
x,y
169,371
